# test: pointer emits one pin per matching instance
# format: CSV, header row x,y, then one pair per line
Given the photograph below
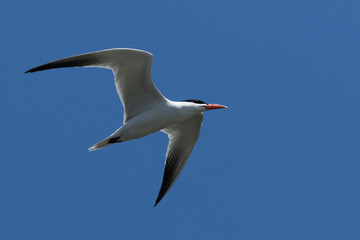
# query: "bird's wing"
x,y
132,70
182,138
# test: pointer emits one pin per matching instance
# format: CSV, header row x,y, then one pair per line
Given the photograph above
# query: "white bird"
x,y
146,110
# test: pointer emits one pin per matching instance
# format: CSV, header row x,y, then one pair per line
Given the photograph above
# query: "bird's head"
x,y
203,106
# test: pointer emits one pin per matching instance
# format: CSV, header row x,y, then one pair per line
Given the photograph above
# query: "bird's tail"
x,y
104,143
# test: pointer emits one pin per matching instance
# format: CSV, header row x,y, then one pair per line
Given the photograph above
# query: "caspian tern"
x,y
146,110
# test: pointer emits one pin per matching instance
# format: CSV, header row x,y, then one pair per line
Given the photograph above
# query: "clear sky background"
x,y
282,162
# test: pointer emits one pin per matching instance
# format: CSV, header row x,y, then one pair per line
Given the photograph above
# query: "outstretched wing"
x,y
132,70
182,137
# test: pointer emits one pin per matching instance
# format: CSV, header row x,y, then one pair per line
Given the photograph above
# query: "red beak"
x,y
214,106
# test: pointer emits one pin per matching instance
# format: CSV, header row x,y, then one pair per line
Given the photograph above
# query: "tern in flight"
x,y
146,110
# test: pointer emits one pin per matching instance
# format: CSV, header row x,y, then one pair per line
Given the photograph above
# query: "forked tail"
x,y
104,143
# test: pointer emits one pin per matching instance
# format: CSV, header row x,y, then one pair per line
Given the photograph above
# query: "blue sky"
x,y
282,162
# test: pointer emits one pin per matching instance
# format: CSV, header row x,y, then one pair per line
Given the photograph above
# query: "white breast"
x,y
149,122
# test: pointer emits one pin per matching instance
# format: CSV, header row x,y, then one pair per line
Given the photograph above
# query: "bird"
x,y
146,110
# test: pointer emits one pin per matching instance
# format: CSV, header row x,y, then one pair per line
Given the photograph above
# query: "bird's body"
x,y
162,116
146,109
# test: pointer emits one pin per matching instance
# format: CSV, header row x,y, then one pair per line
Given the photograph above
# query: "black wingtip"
x,y
36,69
156,202
31,70
160,196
